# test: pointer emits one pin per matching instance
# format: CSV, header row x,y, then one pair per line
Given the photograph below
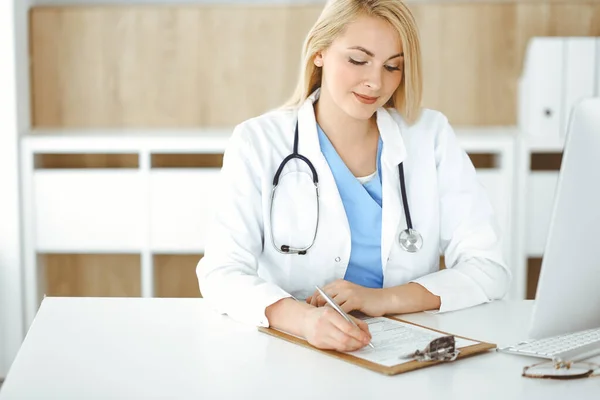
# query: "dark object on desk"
x,y
440,349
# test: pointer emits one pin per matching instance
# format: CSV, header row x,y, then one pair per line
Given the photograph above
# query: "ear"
x,y
318,60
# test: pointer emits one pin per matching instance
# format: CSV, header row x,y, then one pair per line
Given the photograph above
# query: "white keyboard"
x,y
570,347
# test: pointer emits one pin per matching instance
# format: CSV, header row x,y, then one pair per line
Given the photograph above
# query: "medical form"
x,y
395,339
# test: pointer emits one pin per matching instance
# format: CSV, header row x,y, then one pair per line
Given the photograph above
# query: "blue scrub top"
x,y
363,210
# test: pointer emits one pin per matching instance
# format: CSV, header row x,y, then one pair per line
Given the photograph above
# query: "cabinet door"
x,y
182,203
500,194
89,211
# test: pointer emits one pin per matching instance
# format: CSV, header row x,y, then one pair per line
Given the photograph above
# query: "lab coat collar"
x,y
394,151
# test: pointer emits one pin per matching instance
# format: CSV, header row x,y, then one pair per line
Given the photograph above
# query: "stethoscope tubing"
x,y
286,249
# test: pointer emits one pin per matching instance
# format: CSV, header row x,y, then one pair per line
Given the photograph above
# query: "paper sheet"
x,y
393,339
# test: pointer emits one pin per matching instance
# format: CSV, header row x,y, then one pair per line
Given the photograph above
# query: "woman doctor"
x,y
375,189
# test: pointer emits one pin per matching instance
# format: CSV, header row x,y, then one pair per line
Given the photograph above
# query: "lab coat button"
x,y
337,259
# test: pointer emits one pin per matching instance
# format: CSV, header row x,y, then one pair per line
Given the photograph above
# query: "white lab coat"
x,y
241,273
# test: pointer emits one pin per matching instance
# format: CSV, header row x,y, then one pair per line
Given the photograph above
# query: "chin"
x,y
360,111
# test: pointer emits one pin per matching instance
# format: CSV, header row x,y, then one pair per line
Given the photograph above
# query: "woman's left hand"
x,y
350,296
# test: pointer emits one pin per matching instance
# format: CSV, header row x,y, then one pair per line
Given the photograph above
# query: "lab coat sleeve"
x,y
227,274
470,238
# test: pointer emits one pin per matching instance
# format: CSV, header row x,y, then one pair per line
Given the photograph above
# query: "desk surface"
x,y
107,348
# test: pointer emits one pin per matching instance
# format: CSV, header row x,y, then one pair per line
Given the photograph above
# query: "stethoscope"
x,y
409,239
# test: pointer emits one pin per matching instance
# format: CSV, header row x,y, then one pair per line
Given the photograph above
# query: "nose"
x,y
373,78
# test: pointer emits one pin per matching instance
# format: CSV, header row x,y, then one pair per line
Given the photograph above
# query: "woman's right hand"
x,y
325,328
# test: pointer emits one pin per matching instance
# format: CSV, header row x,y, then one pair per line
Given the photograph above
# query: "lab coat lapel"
x,y
394,152
308,143
330,199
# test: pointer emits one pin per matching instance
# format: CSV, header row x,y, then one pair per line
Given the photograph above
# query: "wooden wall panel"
x,y
190,66
465,69
109,275
474,53
175,275
85,160
534,267
103,275
180,160
156,66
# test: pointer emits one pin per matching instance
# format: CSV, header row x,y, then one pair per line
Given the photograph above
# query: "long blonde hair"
x,y
331,23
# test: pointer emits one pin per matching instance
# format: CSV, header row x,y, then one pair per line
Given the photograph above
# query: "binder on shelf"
x,y
541,87
580,75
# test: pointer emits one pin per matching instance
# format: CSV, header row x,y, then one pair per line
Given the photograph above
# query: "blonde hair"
x,y
331,23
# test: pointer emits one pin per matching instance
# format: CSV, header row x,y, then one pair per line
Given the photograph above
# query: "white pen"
x,y
339,310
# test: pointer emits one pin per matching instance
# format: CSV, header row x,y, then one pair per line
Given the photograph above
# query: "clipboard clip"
x,y
440,349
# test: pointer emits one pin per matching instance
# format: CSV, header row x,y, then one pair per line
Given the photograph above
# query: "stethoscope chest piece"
x,y
410,240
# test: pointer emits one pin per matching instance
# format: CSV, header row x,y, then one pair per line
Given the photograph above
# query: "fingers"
x,y
348,329
323,331
341,299
343,342
328,329
340,291
317,300
347,301
314,300
363,326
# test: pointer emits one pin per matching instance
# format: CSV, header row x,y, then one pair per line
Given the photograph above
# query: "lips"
x,y
365,99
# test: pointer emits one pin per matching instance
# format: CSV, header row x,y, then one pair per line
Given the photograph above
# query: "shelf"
x,y
204,140
161,200
487,132
541,144
483,138
125,140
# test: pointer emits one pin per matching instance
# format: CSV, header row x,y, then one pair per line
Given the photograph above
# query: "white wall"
x,y
11,310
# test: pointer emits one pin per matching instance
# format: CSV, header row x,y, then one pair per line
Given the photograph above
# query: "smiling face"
x,y
362,68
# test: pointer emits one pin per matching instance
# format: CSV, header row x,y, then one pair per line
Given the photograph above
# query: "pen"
x,y
338,309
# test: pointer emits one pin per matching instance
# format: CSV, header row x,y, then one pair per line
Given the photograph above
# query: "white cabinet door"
x,y
500,194
182,204
90,210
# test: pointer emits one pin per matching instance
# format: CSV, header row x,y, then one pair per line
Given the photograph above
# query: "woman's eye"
x,y
391,69
355,62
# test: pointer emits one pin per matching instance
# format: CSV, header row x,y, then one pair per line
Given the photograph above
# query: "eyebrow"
x,y
370,53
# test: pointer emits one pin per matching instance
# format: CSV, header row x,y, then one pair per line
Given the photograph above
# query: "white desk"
x,y
93,348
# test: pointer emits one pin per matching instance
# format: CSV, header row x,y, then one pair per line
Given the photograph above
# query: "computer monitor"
x,y
568,292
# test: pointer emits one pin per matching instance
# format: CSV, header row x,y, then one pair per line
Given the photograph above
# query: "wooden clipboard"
x,y
479,348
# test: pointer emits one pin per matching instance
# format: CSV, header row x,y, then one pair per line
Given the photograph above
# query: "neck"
x,y
339,126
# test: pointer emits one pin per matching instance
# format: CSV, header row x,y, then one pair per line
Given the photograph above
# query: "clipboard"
x,y
402,367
